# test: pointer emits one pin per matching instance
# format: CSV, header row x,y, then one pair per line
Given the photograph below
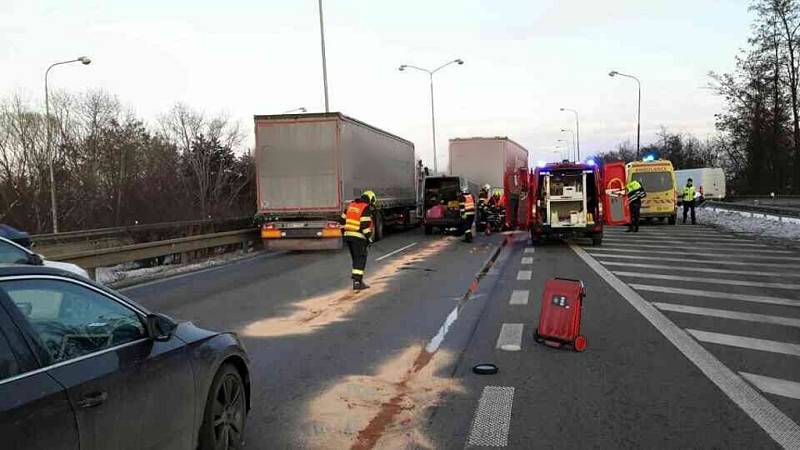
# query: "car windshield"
x,y
654,181
11,254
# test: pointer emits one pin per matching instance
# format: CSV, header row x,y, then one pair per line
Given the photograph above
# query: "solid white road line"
x,y
775,386
396,251
524,274
703,269
529,250
510,338
527,260
772,420
720,247
655,276
519,298
727,314
731,242
714,255
492,418
685,260
716,294
749,343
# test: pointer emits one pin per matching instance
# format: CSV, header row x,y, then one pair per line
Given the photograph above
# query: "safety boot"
x,y
359,285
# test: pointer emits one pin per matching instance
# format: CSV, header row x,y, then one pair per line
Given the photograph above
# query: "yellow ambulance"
x,y
658,179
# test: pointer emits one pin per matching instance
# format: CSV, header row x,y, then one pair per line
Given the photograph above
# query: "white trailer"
x,y
708,181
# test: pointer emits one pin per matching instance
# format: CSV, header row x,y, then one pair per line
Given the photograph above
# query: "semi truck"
x,y
708,181
486,160
309,166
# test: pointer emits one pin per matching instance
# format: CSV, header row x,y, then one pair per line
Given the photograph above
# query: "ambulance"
x,y
658,179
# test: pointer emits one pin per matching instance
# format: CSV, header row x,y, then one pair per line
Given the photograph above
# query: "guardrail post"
x,y
186,257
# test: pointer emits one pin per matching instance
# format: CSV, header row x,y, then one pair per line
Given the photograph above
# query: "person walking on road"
x,y
688,201
357,221
466,205
635,195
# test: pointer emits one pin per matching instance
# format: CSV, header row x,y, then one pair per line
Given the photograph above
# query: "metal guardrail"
x,y
759,209
47,238
106,257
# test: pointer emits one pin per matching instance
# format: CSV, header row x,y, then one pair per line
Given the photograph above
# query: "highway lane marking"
x,y
684,260
715,294
529,250
527,260
524,274
492,419
396,251
717,248
749,343
727,314
656,276
775,386
712,255
519,298
703,269
510,338
732,242
771,419
646,232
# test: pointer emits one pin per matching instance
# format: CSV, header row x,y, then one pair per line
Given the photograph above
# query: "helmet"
x,y
465,190
370,196
486,187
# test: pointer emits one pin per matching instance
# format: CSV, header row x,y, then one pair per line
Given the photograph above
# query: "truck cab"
x,y
566,202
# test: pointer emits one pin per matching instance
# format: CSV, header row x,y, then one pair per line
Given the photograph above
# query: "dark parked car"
x,y
20,237
81,366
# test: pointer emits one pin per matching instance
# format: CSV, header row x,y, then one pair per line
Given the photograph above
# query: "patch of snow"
x,y
737,222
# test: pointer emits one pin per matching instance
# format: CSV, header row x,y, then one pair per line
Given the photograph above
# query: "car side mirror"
x,y
36,259
160,327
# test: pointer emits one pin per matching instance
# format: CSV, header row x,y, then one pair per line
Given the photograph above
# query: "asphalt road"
x,y
693,342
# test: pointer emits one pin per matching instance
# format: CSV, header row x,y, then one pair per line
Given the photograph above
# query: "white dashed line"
x,y
731,340
519,298
771,419
527,260
524,274
492,418
529,250
761,284
775,386
716,294
510,338
726,314
396,251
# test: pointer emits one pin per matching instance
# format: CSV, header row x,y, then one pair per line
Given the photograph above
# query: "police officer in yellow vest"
x,y
688,200
357,221
635,195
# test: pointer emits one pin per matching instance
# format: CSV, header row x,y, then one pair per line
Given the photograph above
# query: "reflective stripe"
x,y
358,272
354,234
366,219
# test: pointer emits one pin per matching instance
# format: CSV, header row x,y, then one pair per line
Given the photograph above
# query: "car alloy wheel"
x,y
228,412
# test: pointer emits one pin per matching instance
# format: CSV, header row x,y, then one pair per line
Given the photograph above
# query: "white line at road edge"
x,y
775,386
396,251
492,418
774,422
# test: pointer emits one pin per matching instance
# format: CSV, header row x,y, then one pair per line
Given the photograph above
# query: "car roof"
x,y
7,270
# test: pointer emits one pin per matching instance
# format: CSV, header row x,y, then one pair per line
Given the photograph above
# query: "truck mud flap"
x,y
302,244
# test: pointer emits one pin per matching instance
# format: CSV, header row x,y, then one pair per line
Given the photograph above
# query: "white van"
x,y
709,182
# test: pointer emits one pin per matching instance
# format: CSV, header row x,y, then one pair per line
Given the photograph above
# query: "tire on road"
x,y
226,402
672,219
378,227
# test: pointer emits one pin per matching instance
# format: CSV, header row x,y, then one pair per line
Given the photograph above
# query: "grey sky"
x,y
524,59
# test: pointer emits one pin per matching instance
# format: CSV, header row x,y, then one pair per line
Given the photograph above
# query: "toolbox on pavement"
x,y
560,316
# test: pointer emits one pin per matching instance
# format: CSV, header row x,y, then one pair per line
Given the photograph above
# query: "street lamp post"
x,y
638,109
577,131
324,62
53,206
574,146
433,115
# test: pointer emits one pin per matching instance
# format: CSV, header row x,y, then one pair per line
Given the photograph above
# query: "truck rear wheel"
x,y
378,227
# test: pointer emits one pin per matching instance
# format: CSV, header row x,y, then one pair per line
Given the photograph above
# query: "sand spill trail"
x,y
316,312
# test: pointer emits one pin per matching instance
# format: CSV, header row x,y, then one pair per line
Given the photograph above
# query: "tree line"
x,y
111,168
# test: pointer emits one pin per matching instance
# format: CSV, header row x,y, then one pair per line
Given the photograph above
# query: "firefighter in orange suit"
x,y
466,203
357,221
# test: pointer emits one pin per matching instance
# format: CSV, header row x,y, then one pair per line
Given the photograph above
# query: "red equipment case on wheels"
x,y
560,316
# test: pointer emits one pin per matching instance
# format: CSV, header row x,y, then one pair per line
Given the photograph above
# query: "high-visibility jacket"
x,y
635,191
688,193
467,205
357,220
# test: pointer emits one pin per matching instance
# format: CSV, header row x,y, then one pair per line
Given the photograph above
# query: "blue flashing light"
x,y
540,163
649,158
591,162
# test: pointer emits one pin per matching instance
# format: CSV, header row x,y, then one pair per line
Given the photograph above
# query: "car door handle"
x,y
93,399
